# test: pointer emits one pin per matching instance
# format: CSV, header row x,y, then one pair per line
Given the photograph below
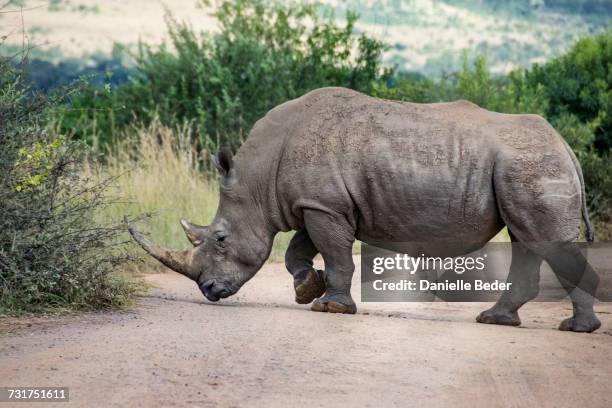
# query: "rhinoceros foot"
x,y
496,316
309,287
586,323
335,304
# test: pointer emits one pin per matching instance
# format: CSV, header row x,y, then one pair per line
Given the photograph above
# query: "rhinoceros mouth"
x,y
206,289
212,297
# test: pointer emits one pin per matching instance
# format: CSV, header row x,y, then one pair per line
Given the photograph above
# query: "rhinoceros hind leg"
x,y
575,275
580,281
524,278
545,216
333,236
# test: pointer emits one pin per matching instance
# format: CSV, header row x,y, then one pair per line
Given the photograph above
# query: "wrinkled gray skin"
x,y
336,165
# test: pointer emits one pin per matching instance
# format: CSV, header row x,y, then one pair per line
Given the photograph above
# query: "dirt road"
x,y
261,349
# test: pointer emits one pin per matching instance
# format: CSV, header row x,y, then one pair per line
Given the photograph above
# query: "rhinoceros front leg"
x,y
308,282
333,236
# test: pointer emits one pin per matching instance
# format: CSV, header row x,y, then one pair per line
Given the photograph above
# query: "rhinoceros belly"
x,y
423,187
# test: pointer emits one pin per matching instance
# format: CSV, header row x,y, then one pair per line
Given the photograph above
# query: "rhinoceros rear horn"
x,y
195,233
178,261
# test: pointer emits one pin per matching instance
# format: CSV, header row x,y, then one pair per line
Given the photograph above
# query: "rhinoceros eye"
x,y
220,239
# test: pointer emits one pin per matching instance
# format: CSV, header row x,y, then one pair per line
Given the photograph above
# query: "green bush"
x,y
509,93
526,6
603,7
52,252
580,83
264,54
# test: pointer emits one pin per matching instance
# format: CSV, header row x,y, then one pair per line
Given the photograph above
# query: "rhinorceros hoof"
x,y
497,317
333,304
586,324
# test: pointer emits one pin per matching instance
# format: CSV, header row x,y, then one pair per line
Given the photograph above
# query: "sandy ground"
x,y
261,349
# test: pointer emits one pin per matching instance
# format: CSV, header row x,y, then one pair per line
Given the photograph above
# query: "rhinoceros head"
x,y
229,251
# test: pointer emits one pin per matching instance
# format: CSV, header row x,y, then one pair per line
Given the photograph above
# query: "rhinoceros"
x,y
337,166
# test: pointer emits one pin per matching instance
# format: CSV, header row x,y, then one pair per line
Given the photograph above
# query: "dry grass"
x,y
158,172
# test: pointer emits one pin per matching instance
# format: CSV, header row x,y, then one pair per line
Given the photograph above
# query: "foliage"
x,y
526,6
581,6
264,54
510,93
580,83
97,70
51,252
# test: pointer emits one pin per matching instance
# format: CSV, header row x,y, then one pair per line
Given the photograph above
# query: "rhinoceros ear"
x,y
224,161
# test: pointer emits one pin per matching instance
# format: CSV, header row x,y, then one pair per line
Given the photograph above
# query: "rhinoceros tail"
x,y
589,234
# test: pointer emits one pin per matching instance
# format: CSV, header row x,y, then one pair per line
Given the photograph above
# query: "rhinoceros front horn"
x,y
179,261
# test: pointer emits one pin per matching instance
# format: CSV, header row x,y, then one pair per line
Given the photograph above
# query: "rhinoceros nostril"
x,y
206,289
208,284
